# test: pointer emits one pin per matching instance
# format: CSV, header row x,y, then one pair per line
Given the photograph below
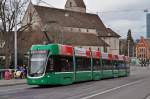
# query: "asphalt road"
x,y
136,86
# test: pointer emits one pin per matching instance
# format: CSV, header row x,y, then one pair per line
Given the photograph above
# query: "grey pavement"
x,y
12,82
136,86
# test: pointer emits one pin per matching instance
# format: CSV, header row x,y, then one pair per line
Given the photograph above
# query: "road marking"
x,y
148,97
112,89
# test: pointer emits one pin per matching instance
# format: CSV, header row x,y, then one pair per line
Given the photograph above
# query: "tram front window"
x,y
37,65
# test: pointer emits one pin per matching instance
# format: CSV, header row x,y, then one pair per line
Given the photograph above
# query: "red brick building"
x,y
143,49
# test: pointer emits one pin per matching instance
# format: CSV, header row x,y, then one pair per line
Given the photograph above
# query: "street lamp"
x,y
128,48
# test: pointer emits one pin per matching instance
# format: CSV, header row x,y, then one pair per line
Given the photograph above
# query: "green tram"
x,y
56,64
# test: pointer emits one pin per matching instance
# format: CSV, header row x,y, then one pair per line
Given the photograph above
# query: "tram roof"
x,y
107,56
67,50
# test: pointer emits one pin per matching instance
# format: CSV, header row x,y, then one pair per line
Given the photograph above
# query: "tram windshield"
x,y
37,64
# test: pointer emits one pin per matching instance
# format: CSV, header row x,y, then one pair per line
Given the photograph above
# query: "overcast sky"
x,y
120,15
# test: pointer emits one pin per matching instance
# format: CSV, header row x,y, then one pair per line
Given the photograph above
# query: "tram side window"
x,y
83,64
107,65
115,64
96,64
62,63
121,65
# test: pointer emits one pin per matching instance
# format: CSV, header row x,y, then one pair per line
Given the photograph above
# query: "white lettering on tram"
x,y
38,59
80,51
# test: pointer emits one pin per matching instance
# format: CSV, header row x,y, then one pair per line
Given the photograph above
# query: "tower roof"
x,y
75,5
74,19
80,3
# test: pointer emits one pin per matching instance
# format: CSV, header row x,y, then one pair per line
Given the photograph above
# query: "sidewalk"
x,y
12,82
139,69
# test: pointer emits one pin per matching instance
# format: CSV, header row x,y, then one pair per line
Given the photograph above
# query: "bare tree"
x,y
7,18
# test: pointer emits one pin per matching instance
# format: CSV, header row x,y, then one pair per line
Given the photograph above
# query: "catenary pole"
x,y
15,36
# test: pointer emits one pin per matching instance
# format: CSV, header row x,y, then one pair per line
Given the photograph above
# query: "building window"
x,y
87,30
79,30
71,29
83,64
70,4
60,64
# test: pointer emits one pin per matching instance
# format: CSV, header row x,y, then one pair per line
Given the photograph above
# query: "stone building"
x,y
72,26
111,38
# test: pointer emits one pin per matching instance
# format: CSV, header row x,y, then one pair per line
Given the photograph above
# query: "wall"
x,y
83,30
114,44
77,9
31,17
142,51
93,48
148,25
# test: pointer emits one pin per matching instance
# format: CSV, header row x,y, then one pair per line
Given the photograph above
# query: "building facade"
x,y
70,21
143,49
71,25
66,26
111,38
148,25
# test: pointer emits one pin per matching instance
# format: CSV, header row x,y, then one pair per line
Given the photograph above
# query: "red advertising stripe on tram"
x,y
109,56
96,54
115,57
88,53
120,57
82,52
126,58
66,50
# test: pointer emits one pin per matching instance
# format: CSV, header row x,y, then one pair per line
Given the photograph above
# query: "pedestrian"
x,y
25,71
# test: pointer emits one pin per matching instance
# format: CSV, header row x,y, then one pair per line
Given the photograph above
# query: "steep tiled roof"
x,y
81,39
71,19
111,33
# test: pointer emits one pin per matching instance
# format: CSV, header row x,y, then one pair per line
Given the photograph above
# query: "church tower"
x,y
76,5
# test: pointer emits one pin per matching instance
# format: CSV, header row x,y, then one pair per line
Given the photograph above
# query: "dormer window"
x,y
87,30
70,4
79,30
71,29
